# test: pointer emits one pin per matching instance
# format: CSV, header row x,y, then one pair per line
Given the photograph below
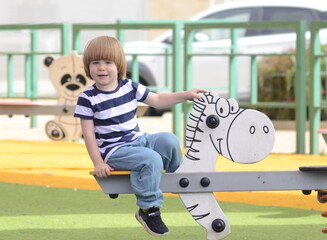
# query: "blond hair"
x,y
105,48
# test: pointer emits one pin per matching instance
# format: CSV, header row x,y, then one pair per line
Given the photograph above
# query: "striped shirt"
x,y
113,114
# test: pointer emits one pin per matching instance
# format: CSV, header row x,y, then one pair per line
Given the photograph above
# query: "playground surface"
x,y
18,128
53,199
43,213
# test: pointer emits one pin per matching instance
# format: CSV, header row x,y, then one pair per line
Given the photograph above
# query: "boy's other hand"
x,y
103,170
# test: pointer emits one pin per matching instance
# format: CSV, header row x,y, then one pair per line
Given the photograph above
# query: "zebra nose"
x,y
253,129
212,121
250,137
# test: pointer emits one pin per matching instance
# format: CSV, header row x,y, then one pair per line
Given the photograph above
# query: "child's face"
x,y
105,74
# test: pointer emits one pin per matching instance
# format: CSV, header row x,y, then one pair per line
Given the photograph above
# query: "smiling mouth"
x,y
216,145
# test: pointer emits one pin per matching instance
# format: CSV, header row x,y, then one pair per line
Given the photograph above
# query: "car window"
x,y
250,14
241,14
286,14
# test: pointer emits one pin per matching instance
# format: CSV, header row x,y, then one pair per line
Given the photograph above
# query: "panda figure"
x,y
68,77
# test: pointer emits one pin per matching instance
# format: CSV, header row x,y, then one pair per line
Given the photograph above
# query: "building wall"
x,y
71,11
100,11
174,9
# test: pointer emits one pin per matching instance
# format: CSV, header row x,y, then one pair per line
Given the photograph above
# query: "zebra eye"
x,y
233,105
212,121
222,107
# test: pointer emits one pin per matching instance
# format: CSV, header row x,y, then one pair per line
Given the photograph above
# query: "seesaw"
x,y
217,126
28,108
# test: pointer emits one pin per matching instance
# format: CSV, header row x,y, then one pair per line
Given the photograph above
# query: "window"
x,y
323,16
286,14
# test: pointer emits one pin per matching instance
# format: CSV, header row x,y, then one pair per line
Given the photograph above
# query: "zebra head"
x,y
241,135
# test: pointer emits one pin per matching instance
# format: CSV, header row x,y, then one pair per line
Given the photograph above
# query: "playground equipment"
x,y
28,108
218,126
323,198
68,77
322,194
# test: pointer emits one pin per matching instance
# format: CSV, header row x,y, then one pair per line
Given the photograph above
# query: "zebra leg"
x,y
205,209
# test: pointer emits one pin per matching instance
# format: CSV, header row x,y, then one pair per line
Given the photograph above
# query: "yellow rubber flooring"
x,y
67,165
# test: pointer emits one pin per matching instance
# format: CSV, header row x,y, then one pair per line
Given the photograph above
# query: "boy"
x,y
112,137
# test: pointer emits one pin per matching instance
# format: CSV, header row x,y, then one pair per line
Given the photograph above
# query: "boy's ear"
x,y
48,61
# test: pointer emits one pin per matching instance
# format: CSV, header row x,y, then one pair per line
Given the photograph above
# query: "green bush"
x,y
276,74
276,83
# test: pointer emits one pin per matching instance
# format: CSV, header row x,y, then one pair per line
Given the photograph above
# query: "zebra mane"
x,y
196,117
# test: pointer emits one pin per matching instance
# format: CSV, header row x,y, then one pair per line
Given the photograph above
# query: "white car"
x,y
212,72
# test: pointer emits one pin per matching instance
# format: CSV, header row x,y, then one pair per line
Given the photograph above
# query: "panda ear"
x,y
48,61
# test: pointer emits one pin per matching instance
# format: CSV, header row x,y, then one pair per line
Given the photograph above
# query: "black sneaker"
x,y
151,221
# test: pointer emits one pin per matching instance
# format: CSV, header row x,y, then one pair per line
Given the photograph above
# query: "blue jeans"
x,y
146,158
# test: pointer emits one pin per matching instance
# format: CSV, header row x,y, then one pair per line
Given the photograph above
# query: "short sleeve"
x,y
84,108
141,91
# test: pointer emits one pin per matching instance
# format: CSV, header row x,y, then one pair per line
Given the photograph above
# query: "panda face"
x,y
68,82
68,76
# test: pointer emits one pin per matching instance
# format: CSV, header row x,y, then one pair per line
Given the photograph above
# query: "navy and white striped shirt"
x,y
113,114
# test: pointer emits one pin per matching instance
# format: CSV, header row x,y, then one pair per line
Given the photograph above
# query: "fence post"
x,y
177,77
188,66
254,80
65,39
120,33
76,39
34,71
233,68
10,75
167,68
135,68
315,89
300,91
28,73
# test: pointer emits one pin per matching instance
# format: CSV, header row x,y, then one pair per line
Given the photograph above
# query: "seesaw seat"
x,y
115,173
313,168
19,103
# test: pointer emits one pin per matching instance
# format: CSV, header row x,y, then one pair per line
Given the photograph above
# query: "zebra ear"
x,y
215,96
209,97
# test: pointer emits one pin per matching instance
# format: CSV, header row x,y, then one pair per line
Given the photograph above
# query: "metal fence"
x,y
178,64
31,57
300,91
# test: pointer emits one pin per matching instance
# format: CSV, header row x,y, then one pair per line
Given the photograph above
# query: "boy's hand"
x,y
194,93
102,170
